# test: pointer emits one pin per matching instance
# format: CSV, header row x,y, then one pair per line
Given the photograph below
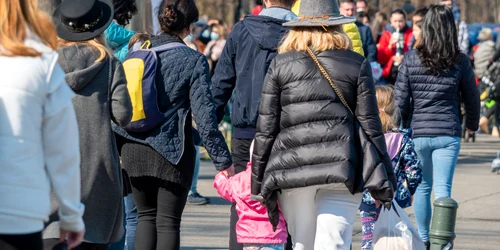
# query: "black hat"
x,y
81,20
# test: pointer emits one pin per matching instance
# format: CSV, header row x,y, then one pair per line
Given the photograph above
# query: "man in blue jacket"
x,y
348,8
240,73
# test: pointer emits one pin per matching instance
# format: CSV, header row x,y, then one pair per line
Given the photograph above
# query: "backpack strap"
x,y
168,46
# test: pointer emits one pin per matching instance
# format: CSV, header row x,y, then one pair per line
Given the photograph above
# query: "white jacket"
x,y
39,144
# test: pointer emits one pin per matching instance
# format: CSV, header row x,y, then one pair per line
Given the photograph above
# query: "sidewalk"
x,y
475,188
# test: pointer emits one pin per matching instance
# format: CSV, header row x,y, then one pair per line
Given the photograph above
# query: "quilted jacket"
x,y
184,77
306,136
430,104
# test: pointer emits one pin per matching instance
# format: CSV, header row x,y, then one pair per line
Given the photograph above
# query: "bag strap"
x,y
323,71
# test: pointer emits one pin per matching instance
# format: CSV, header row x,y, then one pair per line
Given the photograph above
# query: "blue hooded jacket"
x,y
243,65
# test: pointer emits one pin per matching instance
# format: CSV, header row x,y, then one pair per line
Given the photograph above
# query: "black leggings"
x,y
21,241
159,211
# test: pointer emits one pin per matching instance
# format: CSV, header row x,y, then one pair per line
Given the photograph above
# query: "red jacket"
x,y
385,53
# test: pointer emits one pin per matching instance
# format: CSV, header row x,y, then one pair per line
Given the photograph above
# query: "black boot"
x,y
427,245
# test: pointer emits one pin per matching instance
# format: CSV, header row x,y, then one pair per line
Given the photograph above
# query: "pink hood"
x,y
253,225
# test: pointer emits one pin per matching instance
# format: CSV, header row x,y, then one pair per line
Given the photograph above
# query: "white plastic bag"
x,y
395,231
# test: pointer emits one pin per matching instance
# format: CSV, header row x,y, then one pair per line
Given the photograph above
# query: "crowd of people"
x,y
333,114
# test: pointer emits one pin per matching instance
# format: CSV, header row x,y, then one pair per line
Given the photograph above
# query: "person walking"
x,y
39,150
394,43
160,161
463,32
347,8
117,39
253,228
240,73
99,82
214,48
434,79
417,20
404,159
306,145
484,53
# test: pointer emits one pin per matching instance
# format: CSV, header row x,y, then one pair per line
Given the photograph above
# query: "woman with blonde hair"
x,y
102,98
315,94
39,146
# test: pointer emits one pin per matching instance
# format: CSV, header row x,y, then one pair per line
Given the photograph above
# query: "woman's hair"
x,y
421,12
99,43
399,12
316,38
439,48
222,30
177,15
18,18
259,2
124,10
378,24
386,106
138,37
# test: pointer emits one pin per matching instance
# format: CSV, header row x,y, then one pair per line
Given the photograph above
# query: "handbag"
x,y
371,173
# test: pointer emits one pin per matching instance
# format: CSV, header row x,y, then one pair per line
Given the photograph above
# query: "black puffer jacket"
x,y
431,104
305,136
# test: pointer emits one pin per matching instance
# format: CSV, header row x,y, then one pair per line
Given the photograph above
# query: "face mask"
x,y
206,34
214,36
409,23
189,37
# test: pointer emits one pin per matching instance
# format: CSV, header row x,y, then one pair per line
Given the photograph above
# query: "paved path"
x,y
475,188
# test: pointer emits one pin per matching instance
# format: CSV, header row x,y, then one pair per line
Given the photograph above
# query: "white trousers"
x,y
320,217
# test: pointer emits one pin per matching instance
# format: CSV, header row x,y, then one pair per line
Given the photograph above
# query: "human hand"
x,y
393,41
73,239
398,59
228,172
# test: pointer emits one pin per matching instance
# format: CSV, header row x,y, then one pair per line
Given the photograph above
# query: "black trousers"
x,y
54,244
240,149
21,241
159,209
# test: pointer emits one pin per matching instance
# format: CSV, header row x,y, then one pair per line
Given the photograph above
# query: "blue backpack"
x,y
140,69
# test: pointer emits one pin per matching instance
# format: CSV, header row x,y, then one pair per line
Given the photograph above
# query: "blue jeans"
x,y
194,184
438,156
131,222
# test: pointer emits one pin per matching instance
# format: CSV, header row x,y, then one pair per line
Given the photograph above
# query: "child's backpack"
x,y
140,69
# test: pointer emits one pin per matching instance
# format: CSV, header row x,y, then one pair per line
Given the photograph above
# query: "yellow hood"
x,y
350,29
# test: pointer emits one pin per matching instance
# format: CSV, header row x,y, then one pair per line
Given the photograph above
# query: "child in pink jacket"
x,y
253,229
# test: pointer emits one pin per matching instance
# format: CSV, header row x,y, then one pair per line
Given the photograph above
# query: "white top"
x,y
39,144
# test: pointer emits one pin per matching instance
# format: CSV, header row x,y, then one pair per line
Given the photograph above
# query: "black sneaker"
x,y
197,199
427,245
